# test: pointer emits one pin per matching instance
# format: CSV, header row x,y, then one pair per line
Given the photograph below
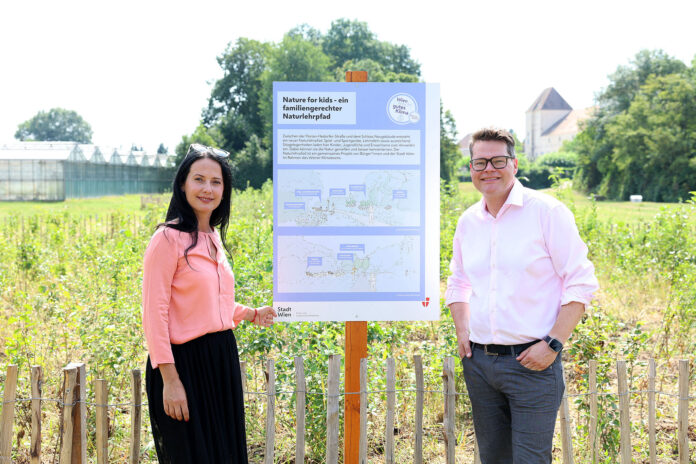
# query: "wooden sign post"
x,y
356,349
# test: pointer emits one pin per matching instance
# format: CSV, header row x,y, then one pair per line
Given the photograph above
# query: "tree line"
x,y
56,124
239,113
641,138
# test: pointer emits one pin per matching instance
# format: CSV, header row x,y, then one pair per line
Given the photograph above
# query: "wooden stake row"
x,y
73,442
73,425
86,225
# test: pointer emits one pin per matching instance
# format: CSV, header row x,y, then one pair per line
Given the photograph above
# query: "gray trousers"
x,y
514,408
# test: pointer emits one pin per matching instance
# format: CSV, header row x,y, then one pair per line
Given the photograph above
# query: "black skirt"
x,y
208,367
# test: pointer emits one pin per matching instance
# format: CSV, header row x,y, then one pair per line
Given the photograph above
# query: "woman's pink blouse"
x,y
181,301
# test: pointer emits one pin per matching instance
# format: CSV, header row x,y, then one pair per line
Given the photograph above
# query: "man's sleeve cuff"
x,y
457,296
569,297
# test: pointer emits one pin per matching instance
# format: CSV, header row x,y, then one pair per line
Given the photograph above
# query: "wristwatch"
x,y
554,344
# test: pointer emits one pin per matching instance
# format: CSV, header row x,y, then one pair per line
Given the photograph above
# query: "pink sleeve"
x,y
458,285
239,312
569,257
159,265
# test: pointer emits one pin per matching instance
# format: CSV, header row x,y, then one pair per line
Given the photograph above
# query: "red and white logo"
x,y
426,302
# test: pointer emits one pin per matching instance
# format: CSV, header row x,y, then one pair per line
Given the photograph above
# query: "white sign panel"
x,y
356,201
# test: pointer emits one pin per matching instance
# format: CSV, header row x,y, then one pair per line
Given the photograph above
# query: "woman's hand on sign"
x,y
265,316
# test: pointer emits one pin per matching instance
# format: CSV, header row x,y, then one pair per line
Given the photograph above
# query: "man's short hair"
x,y
495,134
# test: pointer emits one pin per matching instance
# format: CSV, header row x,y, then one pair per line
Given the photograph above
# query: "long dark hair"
x,y
180,215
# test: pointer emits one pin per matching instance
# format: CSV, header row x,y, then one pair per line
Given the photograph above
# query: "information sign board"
x,y
356,201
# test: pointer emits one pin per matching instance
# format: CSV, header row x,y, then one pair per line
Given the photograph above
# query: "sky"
x,y
140,72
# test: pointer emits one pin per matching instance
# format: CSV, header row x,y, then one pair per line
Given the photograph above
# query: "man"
x,y
519,285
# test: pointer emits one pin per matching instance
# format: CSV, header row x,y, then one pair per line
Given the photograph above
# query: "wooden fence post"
x,y
36,388
624,413
593,441
566,435
101,396
300,406
448,421
683,414
418,445
7,421
362,452
391,405
652,444
70,394
80,416
74,450
332,410
136,416
270,411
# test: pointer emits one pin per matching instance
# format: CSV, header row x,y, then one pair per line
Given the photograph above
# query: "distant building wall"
x,y
550,122
45,172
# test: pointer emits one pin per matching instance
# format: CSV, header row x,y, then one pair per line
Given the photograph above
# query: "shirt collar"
x,y
515,197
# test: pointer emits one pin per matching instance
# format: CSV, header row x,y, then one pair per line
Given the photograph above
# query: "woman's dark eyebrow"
x,y
197,174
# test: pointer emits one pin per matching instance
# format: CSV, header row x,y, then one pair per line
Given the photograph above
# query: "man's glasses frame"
x,y
203,149
498,162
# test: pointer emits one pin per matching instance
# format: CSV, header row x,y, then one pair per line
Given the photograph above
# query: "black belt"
x,y
502,350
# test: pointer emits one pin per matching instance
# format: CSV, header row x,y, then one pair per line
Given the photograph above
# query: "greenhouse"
x,y
54,171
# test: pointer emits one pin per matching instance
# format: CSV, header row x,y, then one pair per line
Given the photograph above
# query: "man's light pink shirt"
x,y
182,302
517,269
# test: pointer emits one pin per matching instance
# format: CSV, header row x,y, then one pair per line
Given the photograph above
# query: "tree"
x,y
654,142
297,59
293,59
450,155
252,166
57,124
308,33
240,104
397,59
234,104
596,171
349,40
162,150
375,71
627,80
203,135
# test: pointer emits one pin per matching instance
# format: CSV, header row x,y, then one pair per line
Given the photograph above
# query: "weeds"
x,y
70,290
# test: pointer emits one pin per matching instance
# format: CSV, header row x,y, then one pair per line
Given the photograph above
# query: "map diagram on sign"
x,y
348,198
326,264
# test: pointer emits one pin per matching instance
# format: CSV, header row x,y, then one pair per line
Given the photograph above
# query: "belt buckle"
x,y
488,353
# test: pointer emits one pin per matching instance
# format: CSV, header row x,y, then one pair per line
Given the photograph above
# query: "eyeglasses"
x,y
203,149
498,162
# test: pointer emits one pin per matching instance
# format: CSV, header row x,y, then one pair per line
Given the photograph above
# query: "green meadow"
x,y
70,276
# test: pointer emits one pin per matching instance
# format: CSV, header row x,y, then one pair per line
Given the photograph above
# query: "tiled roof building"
x,y
550,122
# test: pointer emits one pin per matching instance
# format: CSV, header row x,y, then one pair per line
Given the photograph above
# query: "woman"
x,y
193,379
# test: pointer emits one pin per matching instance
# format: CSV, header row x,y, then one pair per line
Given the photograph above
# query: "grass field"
x,y
614,211
70,275
607,211
124,204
